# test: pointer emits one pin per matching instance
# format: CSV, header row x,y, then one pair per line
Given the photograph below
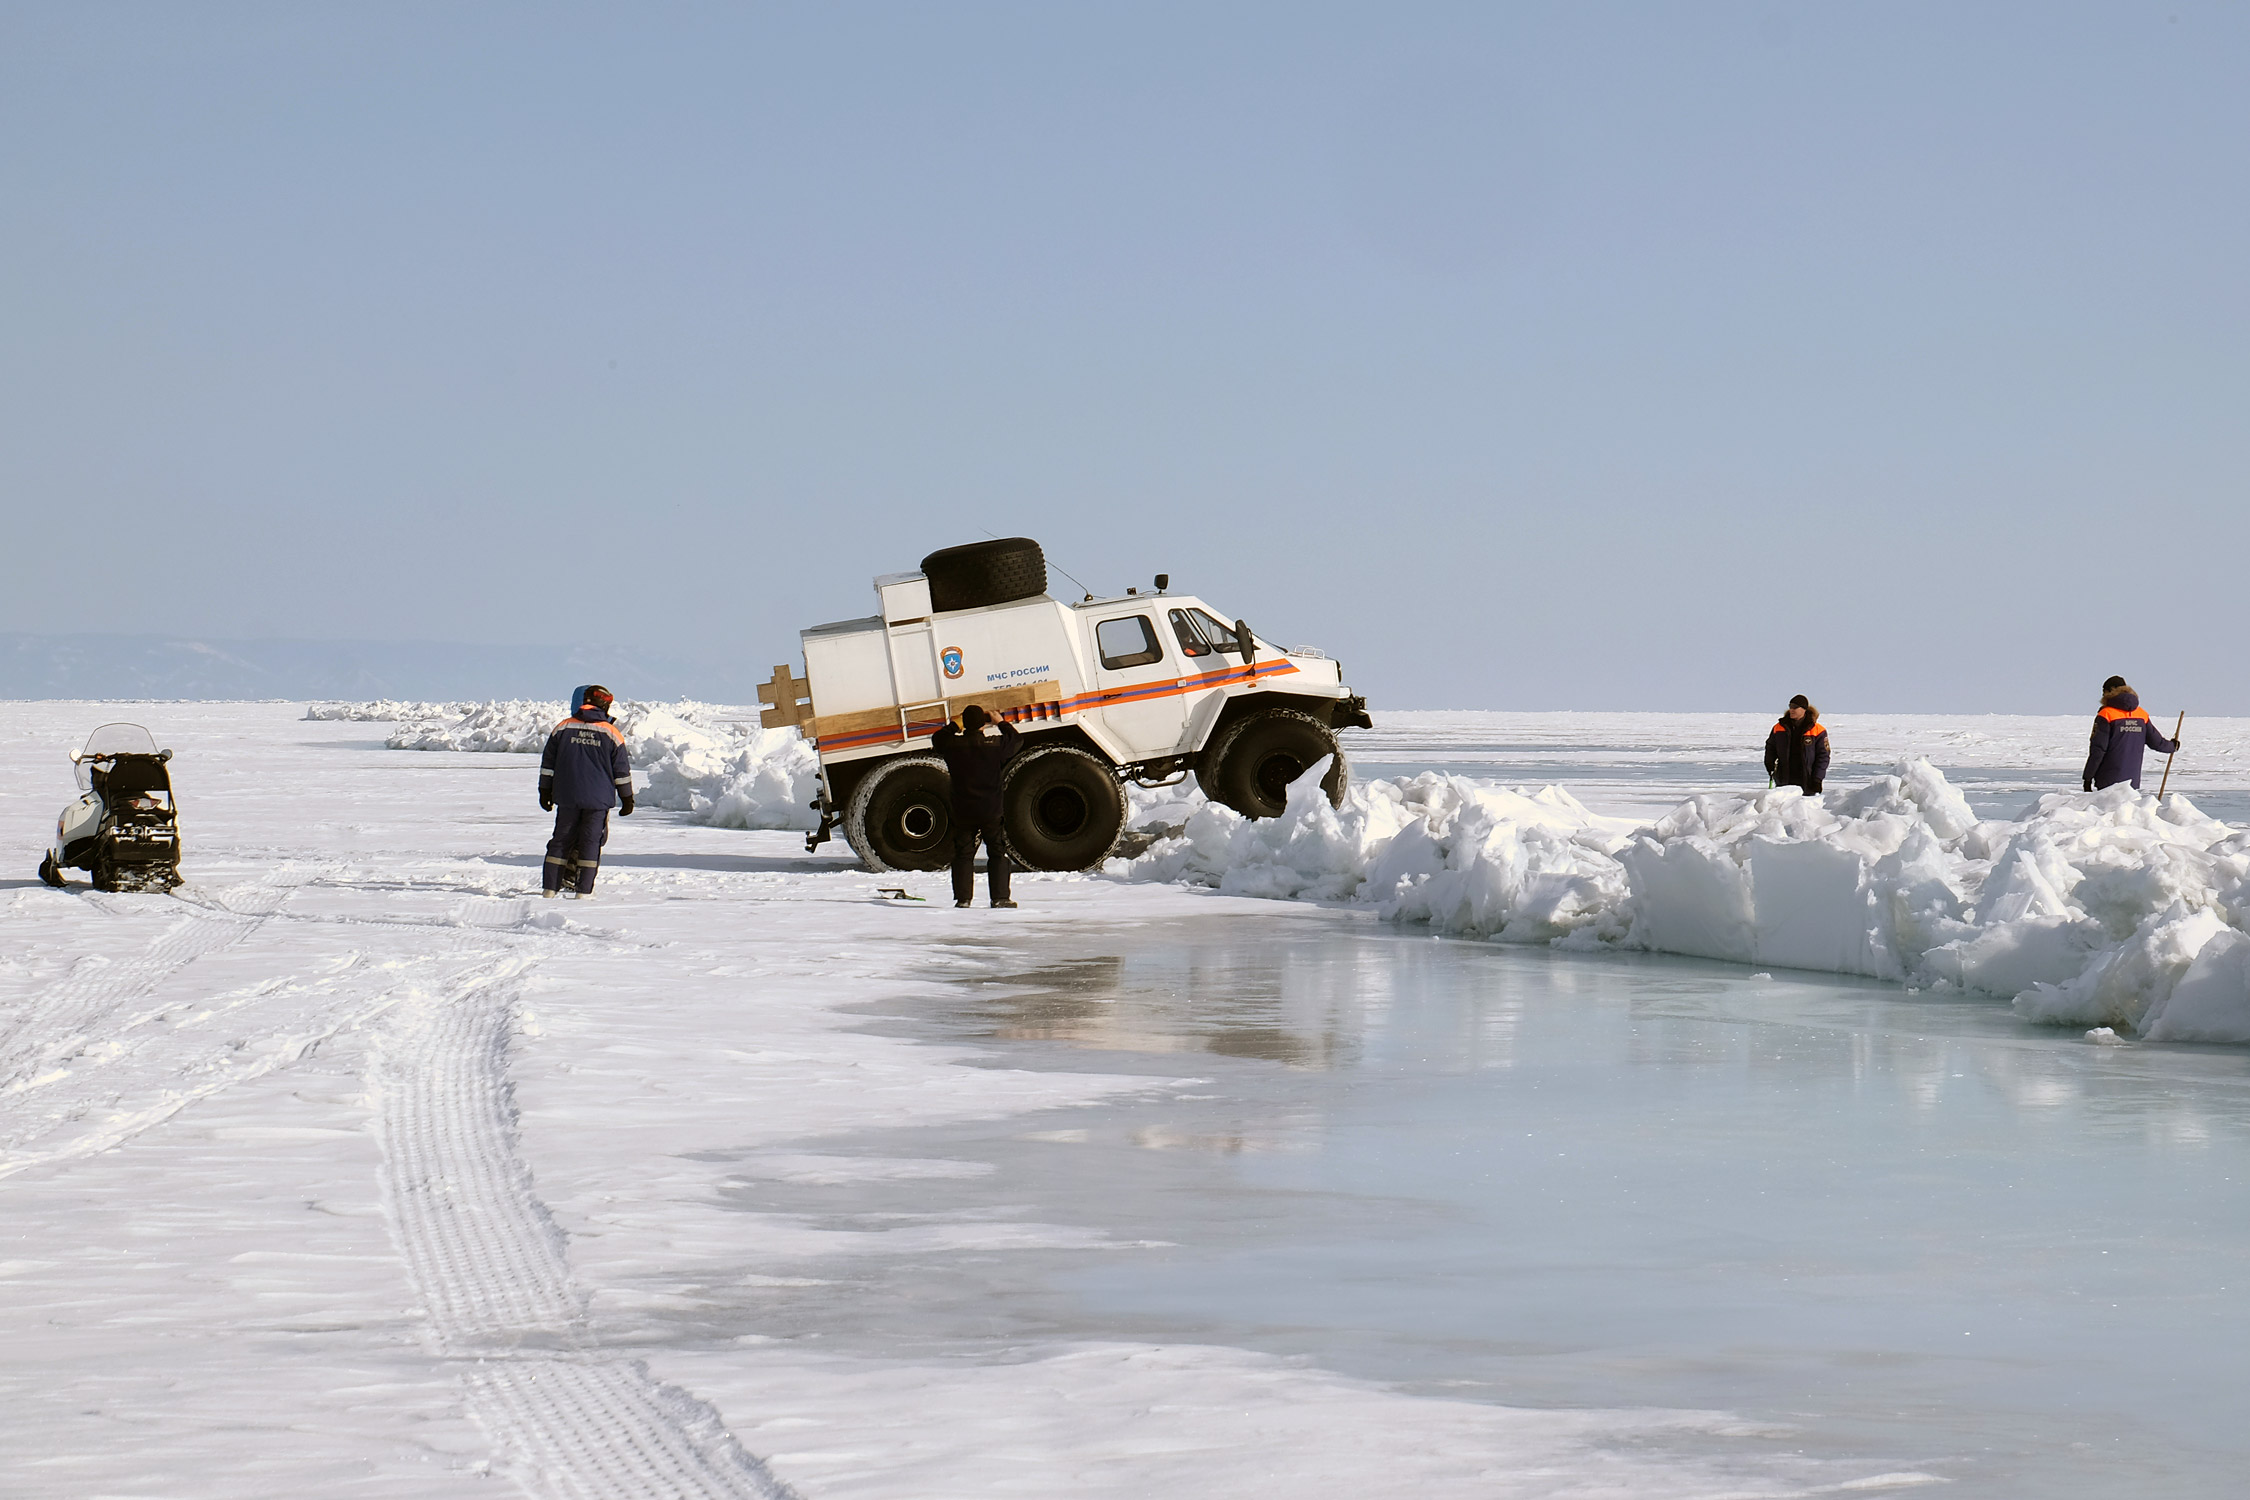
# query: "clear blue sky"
x,y
1661,356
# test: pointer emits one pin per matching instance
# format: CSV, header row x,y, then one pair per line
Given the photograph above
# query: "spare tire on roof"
x,y
980,573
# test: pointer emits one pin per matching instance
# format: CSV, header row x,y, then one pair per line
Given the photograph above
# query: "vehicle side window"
x,y
1130,642
1220,634
1192,642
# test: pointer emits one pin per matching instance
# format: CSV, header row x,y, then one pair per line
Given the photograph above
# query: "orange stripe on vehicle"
x,y
1146,692
1149,692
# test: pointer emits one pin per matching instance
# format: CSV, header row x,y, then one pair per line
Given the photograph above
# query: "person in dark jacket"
x,y
975,761
2121,732
583,773
1797,749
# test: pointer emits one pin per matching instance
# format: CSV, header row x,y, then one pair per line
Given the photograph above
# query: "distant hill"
x,y
148,666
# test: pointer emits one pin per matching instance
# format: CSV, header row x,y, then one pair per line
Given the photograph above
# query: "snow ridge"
x,y
2107,908
491,1266
701,759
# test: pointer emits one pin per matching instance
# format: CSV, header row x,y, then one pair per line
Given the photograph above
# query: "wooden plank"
x,y
791,699
996,701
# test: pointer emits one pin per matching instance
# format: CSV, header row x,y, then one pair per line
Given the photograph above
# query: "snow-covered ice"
x,y
352,1169
355,1169
1643,764
2081,909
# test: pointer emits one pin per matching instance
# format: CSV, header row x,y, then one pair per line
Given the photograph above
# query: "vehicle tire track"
x,y
568,1421
63,1019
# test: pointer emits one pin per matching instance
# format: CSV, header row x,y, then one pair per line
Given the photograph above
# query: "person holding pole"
x,y
2122,731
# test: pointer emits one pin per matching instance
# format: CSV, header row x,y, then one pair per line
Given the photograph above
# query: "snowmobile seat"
x,y
132,776
137,789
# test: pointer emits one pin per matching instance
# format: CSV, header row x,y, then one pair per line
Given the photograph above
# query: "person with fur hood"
x,y
1797,749
2121,732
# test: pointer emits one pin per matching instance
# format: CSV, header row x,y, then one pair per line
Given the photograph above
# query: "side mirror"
x,y
76,758
1249,642
163,755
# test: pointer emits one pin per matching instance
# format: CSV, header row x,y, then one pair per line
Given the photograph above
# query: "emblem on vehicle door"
x,y
951,656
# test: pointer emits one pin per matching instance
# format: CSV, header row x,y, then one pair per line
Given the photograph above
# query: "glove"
x,y
625,808
2089,783
546,800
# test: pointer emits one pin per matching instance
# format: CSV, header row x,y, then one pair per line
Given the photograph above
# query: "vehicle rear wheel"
x,y
980,573
1063,808
48,872
1252,766
901,815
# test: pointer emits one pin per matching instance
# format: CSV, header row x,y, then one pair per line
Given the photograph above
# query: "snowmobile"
x,y
124,828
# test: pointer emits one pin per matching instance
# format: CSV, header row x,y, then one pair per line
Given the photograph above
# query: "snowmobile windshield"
x,y
112,739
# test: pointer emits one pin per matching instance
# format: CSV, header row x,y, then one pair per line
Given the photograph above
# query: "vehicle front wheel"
x,y
1252,766
901,815
1063,808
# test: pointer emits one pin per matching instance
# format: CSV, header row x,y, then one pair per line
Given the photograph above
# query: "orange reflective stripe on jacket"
x,y
1783,728
2110,715
614,732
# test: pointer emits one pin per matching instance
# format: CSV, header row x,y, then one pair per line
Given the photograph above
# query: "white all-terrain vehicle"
x,y
1139,687
124,827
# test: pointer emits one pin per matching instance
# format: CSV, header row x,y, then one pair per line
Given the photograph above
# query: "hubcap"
x,y
918,823
1062,811
1275,773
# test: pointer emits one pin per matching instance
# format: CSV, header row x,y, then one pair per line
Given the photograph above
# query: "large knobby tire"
x,y
901,815
1254,762
980,573
1063,808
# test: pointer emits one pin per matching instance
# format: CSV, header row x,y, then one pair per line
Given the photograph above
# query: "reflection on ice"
x,y
1298,1012
1896,1229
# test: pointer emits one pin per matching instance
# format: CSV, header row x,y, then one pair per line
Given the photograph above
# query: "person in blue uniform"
x,y
975,762
2122,732
583,773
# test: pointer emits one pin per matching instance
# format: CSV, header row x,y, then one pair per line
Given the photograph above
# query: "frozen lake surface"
x,y
1896,1227
1641,765
353,1171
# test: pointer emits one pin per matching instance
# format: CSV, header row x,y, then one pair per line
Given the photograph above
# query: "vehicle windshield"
x,y
112,739
1220,634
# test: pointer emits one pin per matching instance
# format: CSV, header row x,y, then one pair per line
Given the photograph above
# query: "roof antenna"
x,y
1058,567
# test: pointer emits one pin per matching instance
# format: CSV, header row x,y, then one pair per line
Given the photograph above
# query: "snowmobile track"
x,y
143,1070
59,1021
568,1421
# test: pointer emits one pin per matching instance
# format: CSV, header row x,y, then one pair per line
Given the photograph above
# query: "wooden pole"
x,y
2167,781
